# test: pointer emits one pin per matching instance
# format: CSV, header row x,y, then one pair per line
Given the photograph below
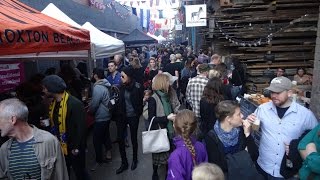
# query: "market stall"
x,y
27,33
102,45
138,37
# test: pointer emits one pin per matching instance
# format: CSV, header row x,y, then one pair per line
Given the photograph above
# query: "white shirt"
x,y
275,132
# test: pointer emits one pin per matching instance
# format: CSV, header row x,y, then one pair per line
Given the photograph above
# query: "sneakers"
x,y
95,166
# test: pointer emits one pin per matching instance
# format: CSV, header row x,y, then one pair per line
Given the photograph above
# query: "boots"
x,y
124,166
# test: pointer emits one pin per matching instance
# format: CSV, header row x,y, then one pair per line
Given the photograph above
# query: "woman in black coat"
x,y
230,134
130,107
212,95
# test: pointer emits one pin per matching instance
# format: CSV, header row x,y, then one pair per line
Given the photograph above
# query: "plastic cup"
x,y
256,125
45,122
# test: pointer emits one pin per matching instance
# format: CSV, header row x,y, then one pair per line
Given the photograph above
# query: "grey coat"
x,y
100,100
49,154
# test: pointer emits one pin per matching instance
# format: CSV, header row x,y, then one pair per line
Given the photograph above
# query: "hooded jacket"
x,y
180,164
100,99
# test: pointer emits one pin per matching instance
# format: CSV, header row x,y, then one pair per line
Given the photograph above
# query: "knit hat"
x,y
129,71
54,84
280,84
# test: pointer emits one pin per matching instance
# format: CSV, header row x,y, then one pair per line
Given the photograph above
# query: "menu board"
x,y
247,107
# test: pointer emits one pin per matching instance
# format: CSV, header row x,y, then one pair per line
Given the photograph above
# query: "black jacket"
x,y
208,116
295,158
76,127
136,96
216,151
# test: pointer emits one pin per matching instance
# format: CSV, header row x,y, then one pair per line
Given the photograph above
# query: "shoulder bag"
x,y
155,141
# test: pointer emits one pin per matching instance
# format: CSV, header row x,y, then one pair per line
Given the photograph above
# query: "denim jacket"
x,y
48,151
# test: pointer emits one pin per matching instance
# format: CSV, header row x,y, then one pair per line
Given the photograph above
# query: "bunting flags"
x,y
152,27
144,18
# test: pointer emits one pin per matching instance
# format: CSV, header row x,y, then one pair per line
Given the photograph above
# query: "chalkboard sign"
x,y
248,108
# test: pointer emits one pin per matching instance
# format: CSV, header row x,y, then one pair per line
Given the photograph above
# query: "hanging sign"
x,y
178,27
196,15
11,75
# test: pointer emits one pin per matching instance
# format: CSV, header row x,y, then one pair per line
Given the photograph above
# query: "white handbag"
x,y
155,141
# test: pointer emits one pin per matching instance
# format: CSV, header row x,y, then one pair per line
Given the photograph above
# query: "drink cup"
x,y
45,122
256,125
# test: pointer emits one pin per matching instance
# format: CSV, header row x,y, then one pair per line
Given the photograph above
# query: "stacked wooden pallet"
x,y
249,30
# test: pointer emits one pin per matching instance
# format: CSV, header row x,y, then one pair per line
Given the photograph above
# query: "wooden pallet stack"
x,y
250,30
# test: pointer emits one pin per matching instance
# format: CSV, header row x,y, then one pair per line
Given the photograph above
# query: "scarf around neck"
x,y
164,97
228,139
62,136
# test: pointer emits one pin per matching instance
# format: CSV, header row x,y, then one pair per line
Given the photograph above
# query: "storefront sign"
x,y
96,4
196,15
11,75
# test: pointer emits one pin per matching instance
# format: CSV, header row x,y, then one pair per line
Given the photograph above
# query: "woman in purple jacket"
x,y
188,152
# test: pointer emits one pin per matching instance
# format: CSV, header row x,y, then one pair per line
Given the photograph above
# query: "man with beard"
x,y
67,116
282,120
99,107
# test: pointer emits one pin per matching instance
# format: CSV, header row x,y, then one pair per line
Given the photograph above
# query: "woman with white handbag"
x,y
160,112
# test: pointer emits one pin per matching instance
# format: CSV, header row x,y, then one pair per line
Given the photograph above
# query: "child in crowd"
x,y
188,152
207,171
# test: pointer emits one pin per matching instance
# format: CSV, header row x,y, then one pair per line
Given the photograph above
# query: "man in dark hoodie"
x,y
99,107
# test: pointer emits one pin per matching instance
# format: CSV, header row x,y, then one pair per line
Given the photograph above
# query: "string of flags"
x,y
112,6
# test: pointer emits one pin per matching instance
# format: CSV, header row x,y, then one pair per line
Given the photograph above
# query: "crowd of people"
x,y
191,96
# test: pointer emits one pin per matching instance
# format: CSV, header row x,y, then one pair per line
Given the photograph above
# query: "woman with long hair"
x,y
150,72
212,95
161,110
230,134
188,152
130,106
138,69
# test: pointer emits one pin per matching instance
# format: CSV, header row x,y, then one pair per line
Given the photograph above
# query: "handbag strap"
x,y
151,123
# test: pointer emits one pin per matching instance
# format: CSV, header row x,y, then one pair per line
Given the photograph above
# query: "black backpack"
x,y
114,93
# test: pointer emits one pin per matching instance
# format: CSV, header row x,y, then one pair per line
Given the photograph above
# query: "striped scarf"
x,y
61,122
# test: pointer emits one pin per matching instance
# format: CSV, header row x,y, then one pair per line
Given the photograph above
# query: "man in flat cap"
x,y
67,121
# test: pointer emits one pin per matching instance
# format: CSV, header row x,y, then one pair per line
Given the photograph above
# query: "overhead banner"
x,y
11,75
196,15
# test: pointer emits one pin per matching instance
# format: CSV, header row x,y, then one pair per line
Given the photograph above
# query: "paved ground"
x,y
107,171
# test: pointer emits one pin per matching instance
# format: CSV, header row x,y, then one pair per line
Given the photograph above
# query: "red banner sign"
x,y
11,75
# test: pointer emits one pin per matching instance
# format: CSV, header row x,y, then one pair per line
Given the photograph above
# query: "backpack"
x,y
114,93
241,165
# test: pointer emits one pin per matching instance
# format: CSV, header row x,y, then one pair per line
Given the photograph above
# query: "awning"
x,y
24,30
104,45
138,37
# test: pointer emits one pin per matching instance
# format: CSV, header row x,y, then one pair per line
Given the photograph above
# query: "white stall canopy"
x,y
104,45
54,12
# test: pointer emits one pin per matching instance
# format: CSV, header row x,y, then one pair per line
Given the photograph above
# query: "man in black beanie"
x,y
68,123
